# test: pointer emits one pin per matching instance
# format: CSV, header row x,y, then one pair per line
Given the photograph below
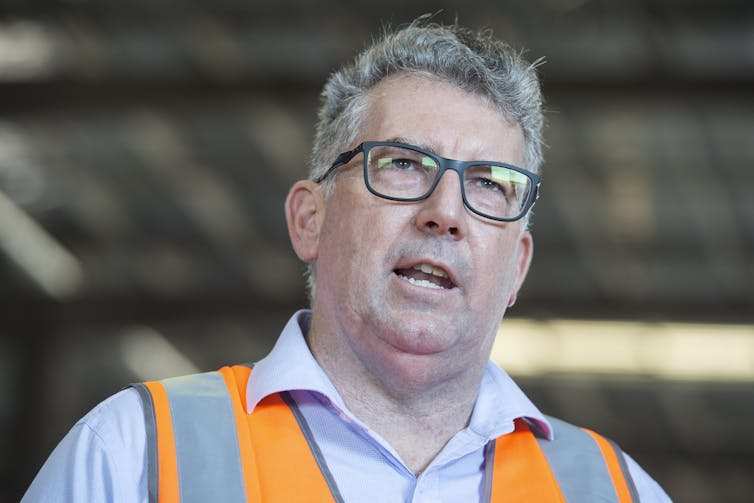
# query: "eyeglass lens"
x,y
404,173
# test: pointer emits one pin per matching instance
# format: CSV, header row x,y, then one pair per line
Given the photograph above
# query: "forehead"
x,y
441,117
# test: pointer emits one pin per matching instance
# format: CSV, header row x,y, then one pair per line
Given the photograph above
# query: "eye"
x,y
488,184
404,164
498,180
400,163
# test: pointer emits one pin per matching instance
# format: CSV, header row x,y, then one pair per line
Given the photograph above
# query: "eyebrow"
x,y
430,148
401,139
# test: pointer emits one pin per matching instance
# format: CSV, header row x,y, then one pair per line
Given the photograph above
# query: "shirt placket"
x,y
427,488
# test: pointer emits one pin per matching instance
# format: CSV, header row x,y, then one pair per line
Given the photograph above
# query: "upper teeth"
x,y
430,269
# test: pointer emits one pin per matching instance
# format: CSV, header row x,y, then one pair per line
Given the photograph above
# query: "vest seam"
x,y
624,468
150,424
309,436
489,465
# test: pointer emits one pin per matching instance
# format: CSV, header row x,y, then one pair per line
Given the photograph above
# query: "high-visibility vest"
x,y
202,446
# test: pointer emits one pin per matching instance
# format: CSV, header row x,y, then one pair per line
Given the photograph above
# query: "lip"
x,y
407,264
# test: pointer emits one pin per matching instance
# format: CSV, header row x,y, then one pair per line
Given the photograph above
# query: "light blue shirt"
x,y
103,457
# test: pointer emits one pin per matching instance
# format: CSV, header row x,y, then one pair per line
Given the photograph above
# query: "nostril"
x,y
435,227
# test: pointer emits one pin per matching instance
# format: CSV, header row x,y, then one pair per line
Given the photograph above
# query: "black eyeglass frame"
x,y
444,164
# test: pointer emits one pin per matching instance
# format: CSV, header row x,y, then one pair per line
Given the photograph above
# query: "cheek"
x,y
496,269
346,244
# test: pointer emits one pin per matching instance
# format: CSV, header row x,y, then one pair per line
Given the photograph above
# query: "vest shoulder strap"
x,y
577,466
203,446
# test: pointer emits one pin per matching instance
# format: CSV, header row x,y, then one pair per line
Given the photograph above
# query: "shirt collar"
x,y
500,402
291,366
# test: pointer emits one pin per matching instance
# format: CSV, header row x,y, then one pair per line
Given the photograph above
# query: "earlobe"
x,y
523,260
304,213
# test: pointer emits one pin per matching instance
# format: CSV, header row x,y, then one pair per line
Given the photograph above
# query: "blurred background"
x,y
146,148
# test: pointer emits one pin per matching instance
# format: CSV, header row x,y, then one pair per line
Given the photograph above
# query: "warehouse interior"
x,y
146,148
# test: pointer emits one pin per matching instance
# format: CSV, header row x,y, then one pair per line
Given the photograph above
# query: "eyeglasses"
x,y
401,172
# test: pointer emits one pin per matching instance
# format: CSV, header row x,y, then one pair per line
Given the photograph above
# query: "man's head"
x,y
473,61
409,288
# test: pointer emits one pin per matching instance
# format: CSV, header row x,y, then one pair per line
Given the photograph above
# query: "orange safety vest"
x,y
203,446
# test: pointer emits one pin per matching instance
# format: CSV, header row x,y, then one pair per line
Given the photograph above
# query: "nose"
x,y
443,213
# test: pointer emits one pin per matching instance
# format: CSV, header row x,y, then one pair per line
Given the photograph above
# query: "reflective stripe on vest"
x,y
568,463
203,446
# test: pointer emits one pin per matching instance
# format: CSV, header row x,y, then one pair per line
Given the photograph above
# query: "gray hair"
x,y
474,61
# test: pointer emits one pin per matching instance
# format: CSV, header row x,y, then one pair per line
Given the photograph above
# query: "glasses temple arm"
x,y
343,158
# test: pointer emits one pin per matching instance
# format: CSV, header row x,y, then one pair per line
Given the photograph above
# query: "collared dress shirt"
x,y
103,457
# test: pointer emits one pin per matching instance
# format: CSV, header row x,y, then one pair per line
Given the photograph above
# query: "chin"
x,y
419,334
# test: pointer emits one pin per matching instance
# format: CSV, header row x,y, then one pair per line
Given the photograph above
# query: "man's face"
x,y
371,292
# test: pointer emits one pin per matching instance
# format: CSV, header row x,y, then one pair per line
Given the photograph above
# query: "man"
x,y
414,224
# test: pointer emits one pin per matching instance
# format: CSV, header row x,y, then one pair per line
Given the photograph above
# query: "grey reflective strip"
x,y
206,439
151,427
321,463
578,464
489,468
625,470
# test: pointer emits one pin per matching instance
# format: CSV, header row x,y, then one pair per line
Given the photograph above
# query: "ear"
x,y
523,260
304,213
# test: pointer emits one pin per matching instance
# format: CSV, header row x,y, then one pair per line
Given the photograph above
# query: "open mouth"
x,y
426,275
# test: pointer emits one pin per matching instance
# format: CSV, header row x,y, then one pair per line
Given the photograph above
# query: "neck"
x,y
418,428
417,413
